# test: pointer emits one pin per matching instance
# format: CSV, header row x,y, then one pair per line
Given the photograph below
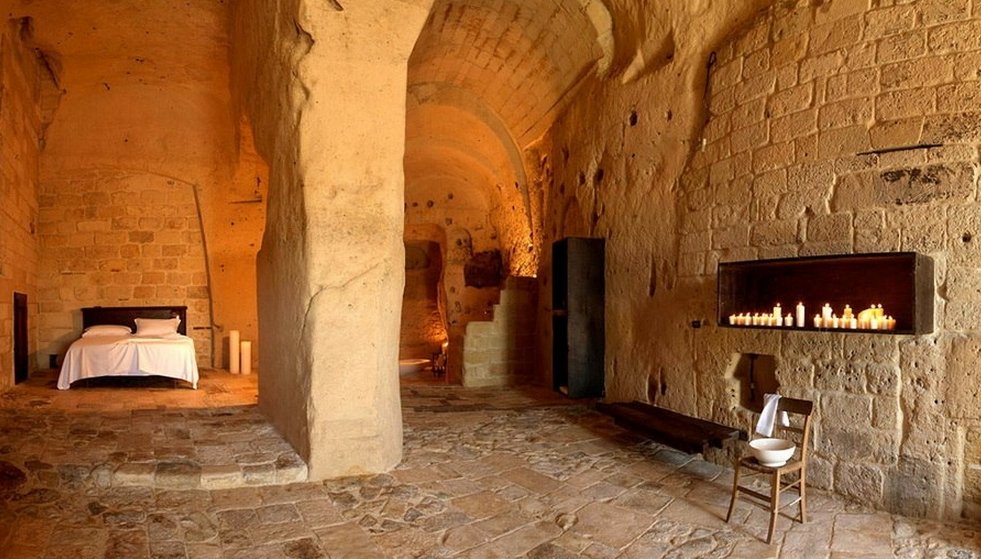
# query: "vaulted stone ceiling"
x,y
486,80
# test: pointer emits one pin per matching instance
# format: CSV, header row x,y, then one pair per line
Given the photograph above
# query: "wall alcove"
x,y
902,282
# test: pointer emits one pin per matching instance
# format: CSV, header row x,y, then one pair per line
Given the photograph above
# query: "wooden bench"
x,y
688,434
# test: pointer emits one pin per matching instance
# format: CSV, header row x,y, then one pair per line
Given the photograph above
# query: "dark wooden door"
x,y
21,353
578,323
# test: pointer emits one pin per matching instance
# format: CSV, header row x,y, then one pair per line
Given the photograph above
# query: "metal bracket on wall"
x,y
898,148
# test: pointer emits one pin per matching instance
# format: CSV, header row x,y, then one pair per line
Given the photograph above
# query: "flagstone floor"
x,y
486,474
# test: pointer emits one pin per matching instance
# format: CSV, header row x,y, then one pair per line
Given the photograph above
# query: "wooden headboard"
x,y
126,316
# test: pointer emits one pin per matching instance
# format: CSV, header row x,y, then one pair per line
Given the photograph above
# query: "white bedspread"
x,y
169,356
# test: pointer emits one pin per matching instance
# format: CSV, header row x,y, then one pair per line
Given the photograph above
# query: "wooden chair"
x,y
796,467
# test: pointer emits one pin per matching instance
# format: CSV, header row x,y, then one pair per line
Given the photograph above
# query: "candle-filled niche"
x,y
884,293
872,318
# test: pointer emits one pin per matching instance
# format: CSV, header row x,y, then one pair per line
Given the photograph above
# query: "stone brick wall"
x,y
19,130
146,162
119,239
794,100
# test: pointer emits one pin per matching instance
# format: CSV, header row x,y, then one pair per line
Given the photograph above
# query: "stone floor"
x,y
486,474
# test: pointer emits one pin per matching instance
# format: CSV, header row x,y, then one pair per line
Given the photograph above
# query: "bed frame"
x,y
126,316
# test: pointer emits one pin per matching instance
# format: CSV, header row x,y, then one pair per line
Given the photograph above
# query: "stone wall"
x,y
764,162
111,238
795,101
456,217
151,191
423,330
20,126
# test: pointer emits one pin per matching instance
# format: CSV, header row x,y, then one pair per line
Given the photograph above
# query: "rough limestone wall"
x,y
233,218
422,330
20,126
322,92
136,157
794,100
608,168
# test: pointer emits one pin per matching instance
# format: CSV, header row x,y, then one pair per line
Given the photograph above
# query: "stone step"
x,y
189,449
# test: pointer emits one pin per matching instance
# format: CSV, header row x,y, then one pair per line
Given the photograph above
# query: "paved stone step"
x,y
174,449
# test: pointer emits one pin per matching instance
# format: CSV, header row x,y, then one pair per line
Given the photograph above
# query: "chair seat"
x,y
789,467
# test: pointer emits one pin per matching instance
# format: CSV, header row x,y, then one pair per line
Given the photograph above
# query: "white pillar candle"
x,y
854,323
788,320
874,323
834,321
233,339
817,321
826,314
246,358
732,322
777,311
801,317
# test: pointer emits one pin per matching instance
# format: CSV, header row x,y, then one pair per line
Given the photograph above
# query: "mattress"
x,y
170,356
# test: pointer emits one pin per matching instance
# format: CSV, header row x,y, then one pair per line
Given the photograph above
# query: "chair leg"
x,y
803,498
735,490
774,504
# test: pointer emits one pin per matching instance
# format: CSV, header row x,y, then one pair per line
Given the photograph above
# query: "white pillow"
x,y
106,330
156,326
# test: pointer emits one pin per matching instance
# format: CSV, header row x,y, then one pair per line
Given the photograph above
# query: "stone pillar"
x,y
331,272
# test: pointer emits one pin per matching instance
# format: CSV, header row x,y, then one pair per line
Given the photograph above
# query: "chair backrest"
x,y
802,427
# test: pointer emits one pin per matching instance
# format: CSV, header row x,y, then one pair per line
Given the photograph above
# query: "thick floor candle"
x,y
246,358
233,338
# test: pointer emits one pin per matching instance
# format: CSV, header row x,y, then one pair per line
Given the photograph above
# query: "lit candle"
x,y
826,314
777,311
246,358
874,323
233,338
801,317
890,323
788,320
854,323
848,312
834,321
817,321
732,319
756,319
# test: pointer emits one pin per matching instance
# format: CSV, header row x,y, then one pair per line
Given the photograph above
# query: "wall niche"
x,y
902,282
757,376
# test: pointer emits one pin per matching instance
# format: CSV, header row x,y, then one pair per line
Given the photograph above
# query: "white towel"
x,y
769,415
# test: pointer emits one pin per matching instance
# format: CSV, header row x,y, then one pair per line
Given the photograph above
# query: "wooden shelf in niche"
x,y
902,282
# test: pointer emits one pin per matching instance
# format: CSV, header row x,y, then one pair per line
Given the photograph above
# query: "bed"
x,y
157,346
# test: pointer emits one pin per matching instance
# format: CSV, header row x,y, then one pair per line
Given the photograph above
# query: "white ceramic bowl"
x,y
772,452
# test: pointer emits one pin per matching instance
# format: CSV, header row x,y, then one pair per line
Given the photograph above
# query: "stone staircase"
x,y
500,352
